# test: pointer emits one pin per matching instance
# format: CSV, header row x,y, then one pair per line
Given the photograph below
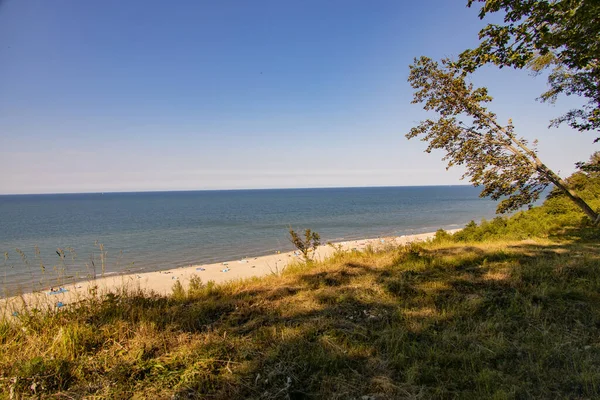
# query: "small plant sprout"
x,y
307,245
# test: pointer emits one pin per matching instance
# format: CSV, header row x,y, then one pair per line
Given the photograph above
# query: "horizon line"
x,y
227,190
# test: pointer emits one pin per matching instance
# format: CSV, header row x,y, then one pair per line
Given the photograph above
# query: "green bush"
x,y
558,213
442,236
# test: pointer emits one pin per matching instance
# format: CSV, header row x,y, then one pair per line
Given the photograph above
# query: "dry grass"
x,y
446,320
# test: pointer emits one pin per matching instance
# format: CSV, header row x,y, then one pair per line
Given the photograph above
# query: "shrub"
x,y
178,291
442,236
306,246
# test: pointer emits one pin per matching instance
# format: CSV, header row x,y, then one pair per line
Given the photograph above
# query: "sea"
x,y
68,237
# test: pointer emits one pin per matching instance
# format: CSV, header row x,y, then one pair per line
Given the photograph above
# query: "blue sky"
x,y
155,95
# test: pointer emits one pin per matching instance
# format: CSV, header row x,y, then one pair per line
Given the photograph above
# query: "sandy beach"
x,y
162,281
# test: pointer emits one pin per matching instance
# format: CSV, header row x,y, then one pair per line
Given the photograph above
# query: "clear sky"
x,y
161,95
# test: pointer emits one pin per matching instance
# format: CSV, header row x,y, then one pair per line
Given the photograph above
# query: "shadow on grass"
x,y
436,322
586,235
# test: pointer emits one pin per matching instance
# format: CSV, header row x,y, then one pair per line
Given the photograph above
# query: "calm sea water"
x,y
159,230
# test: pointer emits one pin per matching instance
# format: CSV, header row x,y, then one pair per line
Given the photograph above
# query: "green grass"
x,y
502,320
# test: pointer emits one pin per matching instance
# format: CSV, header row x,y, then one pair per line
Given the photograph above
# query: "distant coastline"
x,y
152,231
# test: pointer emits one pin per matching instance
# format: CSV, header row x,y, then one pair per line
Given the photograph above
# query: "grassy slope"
x,y
498,320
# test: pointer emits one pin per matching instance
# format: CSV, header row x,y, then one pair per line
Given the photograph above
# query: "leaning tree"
x,y
505,165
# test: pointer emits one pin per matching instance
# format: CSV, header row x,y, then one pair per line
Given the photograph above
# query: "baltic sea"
x,y
159,230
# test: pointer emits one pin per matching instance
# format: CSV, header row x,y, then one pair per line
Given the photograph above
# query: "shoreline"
x,y
162,281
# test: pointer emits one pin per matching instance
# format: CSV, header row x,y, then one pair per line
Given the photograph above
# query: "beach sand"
x,y
162,282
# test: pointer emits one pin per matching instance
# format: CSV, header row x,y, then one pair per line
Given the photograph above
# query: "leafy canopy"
x,y
564,34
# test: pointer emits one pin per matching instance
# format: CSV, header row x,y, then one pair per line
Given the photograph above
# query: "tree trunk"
x,y
532,158
562,185
555,179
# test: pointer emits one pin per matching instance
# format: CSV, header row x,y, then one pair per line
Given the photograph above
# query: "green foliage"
x,y
195,285
178,292
592,166
540,33
557,214
306,245
442,236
